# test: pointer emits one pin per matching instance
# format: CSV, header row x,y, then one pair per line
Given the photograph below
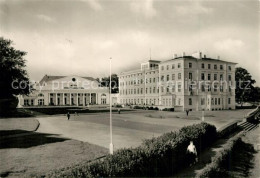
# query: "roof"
x,y
191,57
48,78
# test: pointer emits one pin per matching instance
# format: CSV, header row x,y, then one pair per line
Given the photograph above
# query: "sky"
x,y
77,37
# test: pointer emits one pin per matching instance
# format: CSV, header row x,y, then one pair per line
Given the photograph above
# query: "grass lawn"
x,y
37,153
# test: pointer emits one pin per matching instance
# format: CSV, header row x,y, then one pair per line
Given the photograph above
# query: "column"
x,y
63,102
56,99
49,98
70,99
77,98
83,98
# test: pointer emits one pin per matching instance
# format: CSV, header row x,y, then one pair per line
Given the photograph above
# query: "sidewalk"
x,y
204,158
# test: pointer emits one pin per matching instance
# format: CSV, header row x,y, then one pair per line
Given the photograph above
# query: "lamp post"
x,y
111,147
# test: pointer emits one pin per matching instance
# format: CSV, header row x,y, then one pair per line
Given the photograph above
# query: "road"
x,y
129,128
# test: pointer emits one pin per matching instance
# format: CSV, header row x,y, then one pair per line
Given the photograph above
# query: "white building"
x,y
186,82
66,91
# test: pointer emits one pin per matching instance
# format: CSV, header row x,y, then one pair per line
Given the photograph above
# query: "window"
x,y
179,65
146,89
153,89
162,68
173,76
141,90
203,88
150,80
162,78
215,76
41,102
162,89
221,67
202,101
190,76
209,66
167,89
229,67
190,101
202,66
167,67
173,66
153,80
173,88
219,101
209,77
202,76
229,77
179,88
221,76
229,100
221,88
216,101
26,102
179,75
150,90
167,77
215,66
215,88
190,65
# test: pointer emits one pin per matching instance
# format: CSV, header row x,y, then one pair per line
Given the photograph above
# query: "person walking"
x,y
68,116
192,153
187,112
118,111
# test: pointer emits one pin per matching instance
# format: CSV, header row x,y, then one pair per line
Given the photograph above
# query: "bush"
x,y
162,156
168,109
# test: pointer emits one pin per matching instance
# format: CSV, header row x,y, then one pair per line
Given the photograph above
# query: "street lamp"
x,y
111,147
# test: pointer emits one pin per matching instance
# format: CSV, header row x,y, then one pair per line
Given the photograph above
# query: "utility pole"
x,y
111,147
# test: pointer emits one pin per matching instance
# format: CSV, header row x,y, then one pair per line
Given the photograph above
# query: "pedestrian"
x,y
68,115
192,153
118,110
187,111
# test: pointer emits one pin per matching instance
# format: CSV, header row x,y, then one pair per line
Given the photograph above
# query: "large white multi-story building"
x,y
66,91
187,82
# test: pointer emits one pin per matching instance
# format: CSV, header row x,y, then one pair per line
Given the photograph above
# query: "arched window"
x,y
40,95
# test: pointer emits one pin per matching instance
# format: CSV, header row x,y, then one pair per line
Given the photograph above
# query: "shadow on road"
x,y
26,139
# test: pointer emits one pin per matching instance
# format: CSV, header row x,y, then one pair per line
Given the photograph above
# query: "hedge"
x,y
213,169
161,156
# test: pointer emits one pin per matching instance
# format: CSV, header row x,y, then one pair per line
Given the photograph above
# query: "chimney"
x,y
218,57
204,56
183,54
175,55
200,55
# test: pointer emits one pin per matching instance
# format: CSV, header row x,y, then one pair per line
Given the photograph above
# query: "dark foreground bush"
x,y
168,109
162,156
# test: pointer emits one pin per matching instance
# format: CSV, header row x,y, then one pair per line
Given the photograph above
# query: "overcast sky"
x,y
70,37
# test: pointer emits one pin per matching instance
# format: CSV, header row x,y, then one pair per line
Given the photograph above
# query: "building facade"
x,y
187,82
65,91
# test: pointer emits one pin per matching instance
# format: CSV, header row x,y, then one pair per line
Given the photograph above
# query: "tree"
x,y
13,77
114,83
244,85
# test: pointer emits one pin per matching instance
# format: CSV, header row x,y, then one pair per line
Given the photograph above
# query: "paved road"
x,y
129,128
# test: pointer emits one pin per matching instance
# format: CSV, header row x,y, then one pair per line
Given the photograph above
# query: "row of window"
x,y
167,78
138,74
30,102
214,101
209,76
172,66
